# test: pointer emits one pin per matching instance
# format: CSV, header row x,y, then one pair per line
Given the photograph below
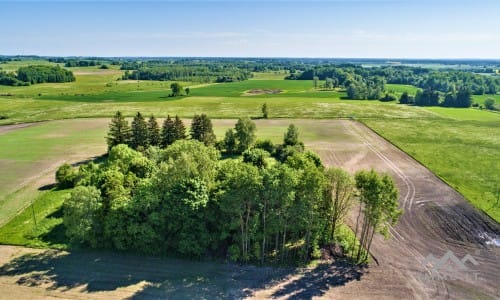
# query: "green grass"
x,y
399,89
48,231
31,153
463,152
481,98
271,75
466,114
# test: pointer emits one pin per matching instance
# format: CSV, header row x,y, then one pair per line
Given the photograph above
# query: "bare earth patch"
x,y
255,92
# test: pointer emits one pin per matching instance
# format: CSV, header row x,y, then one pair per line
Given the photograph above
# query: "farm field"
x,y
460,146
425,199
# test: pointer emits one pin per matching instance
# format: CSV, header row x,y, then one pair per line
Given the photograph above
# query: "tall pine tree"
x,y
119,131
168,133
154,137
180,129
139,132
202,130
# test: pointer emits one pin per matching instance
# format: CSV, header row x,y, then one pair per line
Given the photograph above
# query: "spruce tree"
x,y
180,129
202,130
139,132
154,137
119,131
291,137
168,134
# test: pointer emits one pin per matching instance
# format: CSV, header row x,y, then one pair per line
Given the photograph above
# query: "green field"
x,y
464,153
28,156
460,145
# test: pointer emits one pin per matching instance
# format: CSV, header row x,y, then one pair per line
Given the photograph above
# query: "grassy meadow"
x,y
461,146
29,156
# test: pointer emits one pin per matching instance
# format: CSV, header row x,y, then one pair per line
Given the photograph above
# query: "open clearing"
x,y
436,219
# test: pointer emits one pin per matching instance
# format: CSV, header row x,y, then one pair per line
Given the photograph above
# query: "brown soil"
x,y
436,219
262,92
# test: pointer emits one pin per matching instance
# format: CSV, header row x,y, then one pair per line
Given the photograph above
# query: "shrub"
x,y
66,176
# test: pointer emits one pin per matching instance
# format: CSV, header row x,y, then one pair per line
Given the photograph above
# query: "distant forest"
x,y
442,82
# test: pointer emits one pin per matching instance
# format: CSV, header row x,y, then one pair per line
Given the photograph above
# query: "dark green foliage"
x,y
245,134
378,208
356,79
81,63
427,98
266,145
81,211
462,98
187,91
42,74
256,157
265,112
168,132
388,97
154,136
202,129
139,133
406,99
489,104
186,70
230,141
291,137
66,176
180,129
185,200
11,79
176,89
119,131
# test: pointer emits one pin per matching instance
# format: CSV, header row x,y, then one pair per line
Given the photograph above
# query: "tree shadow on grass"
x,y
97,271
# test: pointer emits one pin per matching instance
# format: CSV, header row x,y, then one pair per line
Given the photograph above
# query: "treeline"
x,y
205,74
462,98
36,74
184,199
368,83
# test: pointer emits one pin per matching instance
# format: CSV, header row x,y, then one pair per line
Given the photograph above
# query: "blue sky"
x,y
294,28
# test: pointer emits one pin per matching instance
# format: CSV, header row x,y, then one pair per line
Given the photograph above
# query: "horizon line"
x,y
258,57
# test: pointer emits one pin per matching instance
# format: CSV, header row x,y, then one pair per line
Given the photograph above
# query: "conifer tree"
x,y
168,134
180,129
119,131
202,130
139,132
154,137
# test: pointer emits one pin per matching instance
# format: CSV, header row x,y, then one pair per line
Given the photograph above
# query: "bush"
x,y
266,145
388,97
256,157
489,104
66,177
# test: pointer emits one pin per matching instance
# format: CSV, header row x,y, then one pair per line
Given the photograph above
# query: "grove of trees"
x,y
272,204
36,74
